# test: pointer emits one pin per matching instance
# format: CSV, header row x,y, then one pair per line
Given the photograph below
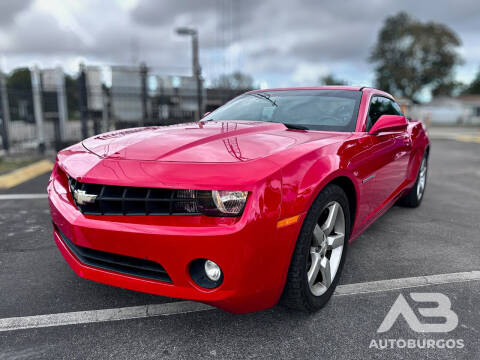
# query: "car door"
x,y
388,155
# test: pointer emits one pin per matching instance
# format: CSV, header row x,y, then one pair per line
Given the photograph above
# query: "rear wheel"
x,y
319,253
414,197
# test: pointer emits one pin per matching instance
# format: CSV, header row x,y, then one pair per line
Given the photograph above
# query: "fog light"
x,y
206,273
212,270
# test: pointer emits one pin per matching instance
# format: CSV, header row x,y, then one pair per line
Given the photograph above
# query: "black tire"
x,y
411,199
297,294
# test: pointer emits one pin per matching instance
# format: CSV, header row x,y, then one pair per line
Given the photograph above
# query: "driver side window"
x,y
381,106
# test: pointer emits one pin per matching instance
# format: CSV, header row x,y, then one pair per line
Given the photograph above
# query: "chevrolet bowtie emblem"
x,y
81,197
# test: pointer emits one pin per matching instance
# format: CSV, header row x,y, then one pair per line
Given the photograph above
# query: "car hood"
x,y
212,141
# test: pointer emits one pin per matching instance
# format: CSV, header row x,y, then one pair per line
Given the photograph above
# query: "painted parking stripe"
x,y
182,307
404,283
25,173
468,138
22,196
94,316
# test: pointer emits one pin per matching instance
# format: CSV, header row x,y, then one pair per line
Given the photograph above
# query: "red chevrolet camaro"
x,y
255,203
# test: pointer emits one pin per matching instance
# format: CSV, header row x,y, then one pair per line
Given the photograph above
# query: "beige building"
x,y
461,110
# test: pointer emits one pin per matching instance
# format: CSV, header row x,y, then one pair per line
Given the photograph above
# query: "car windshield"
x,y
329,110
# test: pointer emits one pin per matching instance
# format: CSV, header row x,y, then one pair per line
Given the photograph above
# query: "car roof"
x,y
330,87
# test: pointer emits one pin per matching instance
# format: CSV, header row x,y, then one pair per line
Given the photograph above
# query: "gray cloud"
x,y
156,12
308,30
47,38
271,39
153,13
9,9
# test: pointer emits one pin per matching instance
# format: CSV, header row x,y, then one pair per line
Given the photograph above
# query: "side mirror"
x,y
386,123
206,114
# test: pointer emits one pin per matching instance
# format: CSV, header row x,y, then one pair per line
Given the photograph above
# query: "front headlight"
x,y
220,202
230,202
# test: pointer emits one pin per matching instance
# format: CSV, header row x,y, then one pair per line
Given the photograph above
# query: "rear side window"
x,y
379,106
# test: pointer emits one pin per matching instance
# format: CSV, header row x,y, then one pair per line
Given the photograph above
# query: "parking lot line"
x,y
182,307
468,138
94,316
404,283
22,196
25,173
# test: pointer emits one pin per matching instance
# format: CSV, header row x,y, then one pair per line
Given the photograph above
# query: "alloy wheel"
x,y
422,178
326,248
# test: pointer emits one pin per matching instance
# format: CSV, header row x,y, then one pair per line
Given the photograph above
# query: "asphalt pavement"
x,y
442,236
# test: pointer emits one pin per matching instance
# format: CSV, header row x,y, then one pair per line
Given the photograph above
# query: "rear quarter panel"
x,y
420,142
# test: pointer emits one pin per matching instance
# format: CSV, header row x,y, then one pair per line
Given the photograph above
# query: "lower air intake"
x,y
118,263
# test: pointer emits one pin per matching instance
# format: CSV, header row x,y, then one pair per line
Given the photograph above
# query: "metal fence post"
x,y
82,88
62,104
5,114
105,112
38,108
144,76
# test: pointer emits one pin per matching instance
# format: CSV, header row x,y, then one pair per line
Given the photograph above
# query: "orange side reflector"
x,y
288,221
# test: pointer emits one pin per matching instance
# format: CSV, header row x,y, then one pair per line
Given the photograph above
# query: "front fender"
x,y
306,177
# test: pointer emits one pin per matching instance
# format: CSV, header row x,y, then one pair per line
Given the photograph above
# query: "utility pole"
x,y
197,70
82,89
61,104
37,107
197,73
144,79
5,114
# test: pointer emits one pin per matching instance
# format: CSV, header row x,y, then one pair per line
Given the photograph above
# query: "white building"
x,y
94,88
472,106
464,109
126,93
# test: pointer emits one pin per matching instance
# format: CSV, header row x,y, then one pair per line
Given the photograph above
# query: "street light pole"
x,y
197,72
196,69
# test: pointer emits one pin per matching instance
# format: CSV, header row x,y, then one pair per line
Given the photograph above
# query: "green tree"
x,y
474,87
410,55
236,80
19,88
73,99
448,88
20,79
330,79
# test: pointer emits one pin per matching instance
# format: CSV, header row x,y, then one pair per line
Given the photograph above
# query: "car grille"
x,y
117,263
127,200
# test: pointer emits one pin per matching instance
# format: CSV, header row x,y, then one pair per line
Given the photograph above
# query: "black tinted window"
x,y
381,106
331,110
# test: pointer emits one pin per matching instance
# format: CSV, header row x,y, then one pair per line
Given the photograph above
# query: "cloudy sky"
x,y
279,42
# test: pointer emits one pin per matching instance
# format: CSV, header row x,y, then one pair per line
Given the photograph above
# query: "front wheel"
x,y
319,253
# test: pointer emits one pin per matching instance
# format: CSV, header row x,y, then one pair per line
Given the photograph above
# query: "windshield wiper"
x,y
295,126
264,96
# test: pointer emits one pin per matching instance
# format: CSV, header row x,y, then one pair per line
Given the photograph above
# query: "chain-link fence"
x,y
47,109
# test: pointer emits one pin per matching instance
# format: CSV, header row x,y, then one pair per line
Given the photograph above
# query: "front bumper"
x,y
252,254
